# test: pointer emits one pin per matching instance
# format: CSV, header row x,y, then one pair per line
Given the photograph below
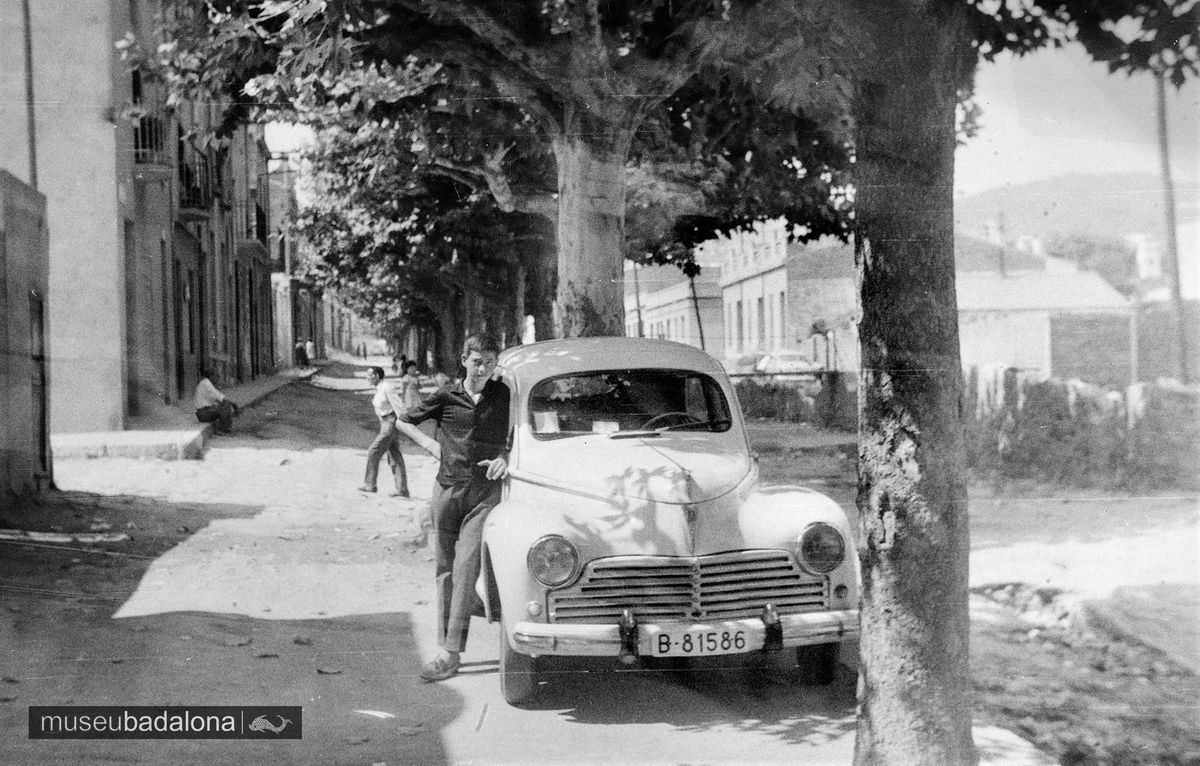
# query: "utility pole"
x,y
637,300
30,121
1160,80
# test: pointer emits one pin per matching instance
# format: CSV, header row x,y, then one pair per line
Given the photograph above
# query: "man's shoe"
x,y
439,669
400,493
365,488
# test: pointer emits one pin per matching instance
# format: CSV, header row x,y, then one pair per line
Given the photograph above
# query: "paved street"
x,y
266,578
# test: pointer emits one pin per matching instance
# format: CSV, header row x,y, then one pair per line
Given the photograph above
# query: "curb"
x,y
177,443
205,432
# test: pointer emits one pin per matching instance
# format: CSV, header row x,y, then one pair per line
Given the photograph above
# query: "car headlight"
x,y
553,560
822,548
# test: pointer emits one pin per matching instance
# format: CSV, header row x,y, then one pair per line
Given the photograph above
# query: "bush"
x,y
1069,432
789,402
1165,440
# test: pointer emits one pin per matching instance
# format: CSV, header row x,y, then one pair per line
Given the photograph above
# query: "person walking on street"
x,y
473,436
212,406
301,355
410,386
310,350
388,440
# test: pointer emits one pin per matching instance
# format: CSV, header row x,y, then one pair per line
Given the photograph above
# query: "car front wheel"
x,y
818,663
518,673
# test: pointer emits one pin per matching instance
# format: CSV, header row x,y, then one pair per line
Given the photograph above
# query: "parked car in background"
x,y
744,364
633,525
785,363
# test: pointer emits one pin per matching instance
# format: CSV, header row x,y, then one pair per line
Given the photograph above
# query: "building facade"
x,y
158,249
781,296
660,303
25,464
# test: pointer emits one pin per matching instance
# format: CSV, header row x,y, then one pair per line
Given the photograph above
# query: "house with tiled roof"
x,y
1060,323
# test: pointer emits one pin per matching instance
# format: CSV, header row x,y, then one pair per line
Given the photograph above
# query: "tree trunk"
x,y
451,334
519,278
591,221
915,692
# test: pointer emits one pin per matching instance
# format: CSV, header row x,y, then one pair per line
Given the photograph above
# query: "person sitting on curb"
x,y
212,406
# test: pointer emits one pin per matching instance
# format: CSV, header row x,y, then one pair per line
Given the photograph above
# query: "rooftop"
x,y
1037,290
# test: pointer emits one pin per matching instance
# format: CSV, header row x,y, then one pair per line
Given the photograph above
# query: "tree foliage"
x,y
885,75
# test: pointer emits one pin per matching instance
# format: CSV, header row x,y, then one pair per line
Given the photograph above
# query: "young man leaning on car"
x,y
473,434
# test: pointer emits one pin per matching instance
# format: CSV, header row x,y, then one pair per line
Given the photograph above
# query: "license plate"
x,y
699,641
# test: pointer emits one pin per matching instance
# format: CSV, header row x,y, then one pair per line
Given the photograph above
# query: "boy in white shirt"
x,y
212,405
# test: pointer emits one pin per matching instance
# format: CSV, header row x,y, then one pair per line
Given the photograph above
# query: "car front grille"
x,y
719,586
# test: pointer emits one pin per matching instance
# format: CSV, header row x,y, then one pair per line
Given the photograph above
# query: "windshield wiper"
x,y
636,434
714,424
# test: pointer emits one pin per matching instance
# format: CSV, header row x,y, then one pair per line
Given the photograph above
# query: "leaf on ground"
x,y
327,671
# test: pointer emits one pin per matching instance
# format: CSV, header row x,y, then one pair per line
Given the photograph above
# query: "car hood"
x,y
676,468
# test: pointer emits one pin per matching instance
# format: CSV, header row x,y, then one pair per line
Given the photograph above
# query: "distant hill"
x,y
1114,204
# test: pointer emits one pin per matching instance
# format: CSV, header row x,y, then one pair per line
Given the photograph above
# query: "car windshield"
x,y
627,401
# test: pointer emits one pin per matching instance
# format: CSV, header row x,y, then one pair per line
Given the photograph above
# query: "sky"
x,y
1056,112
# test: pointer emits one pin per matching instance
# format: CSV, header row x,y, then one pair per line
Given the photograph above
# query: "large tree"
x,y
914,59
589,72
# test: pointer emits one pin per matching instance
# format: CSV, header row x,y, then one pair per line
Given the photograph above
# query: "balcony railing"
x,y
150,142
195,182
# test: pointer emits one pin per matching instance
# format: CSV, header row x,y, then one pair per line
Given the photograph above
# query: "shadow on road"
x,y
739,696
354,676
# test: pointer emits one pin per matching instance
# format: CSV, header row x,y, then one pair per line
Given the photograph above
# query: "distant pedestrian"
x,y
410,385
310,350
212,406
301,355
387,441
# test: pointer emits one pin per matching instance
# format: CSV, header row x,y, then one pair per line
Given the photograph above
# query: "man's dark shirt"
x,y
467,431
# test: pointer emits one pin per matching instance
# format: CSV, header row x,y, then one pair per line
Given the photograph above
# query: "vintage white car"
x,y
633,524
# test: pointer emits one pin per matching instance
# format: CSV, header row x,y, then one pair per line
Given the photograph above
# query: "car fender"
x,y
777,516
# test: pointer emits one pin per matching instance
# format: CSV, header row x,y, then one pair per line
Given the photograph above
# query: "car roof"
x,y
534,362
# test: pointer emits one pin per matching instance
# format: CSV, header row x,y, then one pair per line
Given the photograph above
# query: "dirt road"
x,y
260,576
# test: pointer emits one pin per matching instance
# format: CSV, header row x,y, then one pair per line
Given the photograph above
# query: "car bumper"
x,y
538,638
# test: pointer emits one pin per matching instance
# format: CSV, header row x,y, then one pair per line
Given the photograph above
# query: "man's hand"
x,y
497,468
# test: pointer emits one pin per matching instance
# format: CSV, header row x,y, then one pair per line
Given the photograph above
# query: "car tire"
x,y
818,664
518,674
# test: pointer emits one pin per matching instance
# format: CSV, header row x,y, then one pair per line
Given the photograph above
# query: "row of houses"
x,y
135,249
1018,308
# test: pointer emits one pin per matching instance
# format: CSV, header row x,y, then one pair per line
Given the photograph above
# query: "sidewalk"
x,y
172,431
